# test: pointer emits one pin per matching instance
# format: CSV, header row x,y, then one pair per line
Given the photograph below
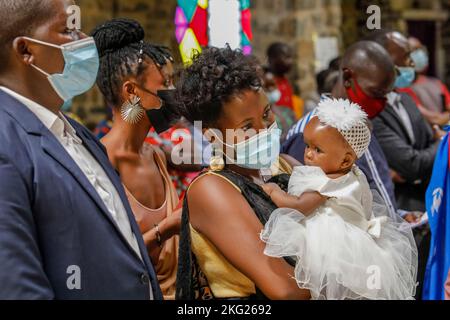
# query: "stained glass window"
x,y
202,23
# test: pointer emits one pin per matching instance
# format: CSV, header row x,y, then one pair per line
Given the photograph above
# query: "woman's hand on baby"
x,y
270,188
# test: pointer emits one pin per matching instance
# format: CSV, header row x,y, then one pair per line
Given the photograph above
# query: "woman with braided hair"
x,y
136,77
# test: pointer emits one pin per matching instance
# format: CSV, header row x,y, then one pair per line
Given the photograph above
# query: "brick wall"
x,y
292,21
296,22
156,16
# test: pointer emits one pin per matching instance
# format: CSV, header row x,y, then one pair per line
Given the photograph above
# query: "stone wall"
x,y
156,16
296,22
396,15
292,21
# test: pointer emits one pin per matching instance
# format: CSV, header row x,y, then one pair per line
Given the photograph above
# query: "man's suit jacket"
x,y
412,160
55,231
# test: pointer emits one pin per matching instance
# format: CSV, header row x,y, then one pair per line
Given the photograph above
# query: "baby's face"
x,y
326,148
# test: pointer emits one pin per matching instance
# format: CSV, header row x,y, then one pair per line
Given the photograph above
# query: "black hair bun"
x,y
116,34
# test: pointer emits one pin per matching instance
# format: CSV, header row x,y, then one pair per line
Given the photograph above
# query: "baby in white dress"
x,y
344,244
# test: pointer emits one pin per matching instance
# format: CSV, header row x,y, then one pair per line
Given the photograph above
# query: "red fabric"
x,y
287,92
422,78
446,93
372,106
411,93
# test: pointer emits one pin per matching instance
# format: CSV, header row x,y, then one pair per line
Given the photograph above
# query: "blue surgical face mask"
x,y
260,151
405,78
274,96
80,69
67,105
421,60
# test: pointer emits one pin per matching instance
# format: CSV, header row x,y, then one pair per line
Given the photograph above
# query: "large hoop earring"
x,y
132,111
216,163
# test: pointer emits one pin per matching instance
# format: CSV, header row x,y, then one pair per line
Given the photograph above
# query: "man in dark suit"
x,y
408,141
410,146
66,228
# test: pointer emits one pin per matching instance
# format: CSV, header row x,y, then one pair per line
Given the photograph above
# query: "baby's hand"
x,y
270,188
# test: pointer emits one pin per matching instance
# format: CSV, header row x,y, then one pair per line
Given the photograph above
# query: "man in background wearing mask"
x,y
287,106
66,228
284,116
408,141
430,94
366,76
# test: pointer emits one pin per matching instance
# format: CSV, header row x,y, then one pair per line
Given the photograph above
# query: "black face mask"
x,y
162,119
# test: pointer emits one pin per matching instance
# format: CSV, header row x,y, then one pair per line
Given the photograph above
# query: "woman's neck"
x,y
128,137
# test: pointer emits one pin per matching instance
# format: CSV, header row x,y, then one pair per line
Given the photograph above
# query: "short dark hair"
x,y
335,64
276,49
119,42
214,78
20,18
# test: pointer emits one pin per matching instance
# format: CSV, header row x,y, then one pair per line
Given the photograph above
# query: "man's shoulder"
x,y
11,131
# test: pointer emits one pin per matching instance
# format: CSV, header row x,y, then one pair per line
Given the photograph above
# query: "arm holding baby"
x,y
306,203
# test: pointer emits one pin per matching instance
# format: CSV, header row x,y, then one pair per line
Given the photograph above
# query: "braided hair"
x,y
122,51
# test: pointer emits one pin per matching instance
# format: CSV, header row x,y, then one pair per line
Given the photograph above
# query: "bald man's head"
x,y
365,55
396,44
371,65
20,18
415,43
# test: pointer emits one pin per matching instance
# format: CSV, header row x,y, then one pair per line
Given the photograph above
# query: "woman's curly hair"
x,y
214,78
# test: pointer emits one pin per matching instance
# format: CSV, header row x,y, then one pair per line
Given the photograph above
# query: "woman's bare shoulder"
x,y
211,195
214,185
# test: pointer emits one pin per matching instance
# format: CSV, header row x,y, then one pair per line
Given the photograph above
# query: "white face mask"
x,y
258,152
274,96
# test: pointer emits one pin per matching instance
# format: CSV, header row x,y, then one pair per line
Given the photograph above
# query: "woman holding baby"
x,y
231,226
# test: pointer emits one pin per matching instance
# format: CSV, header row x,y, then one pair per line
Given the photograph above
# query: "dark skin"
x,y
239,242
400,50
398,47
325,148
269,82
21,77
434,118
135,160
375,82
372,79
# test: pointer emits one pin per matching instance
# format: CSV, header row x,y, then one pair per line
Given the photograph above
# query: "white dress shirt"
x,y
66,135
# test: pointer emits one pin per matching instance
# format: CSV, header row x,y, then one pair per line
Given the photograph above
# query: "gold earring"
x,y
216,163
132,110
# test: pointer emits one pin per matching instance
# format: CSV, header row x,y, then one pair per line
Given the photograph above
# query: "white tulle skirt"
x,y
336,260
